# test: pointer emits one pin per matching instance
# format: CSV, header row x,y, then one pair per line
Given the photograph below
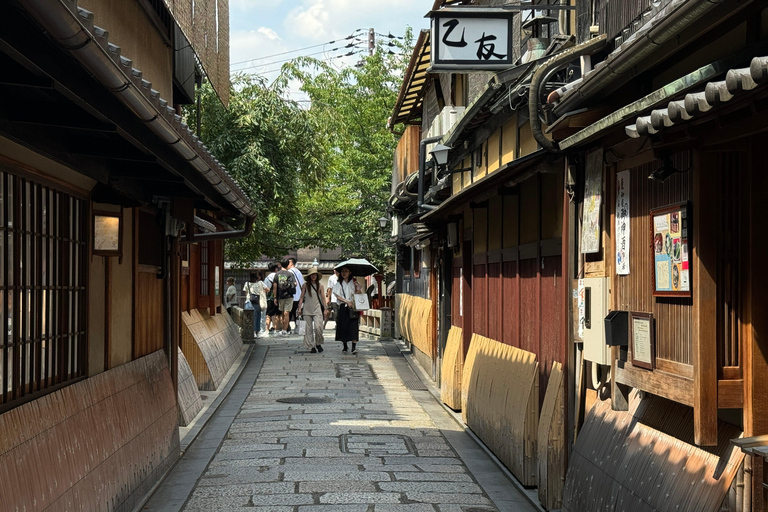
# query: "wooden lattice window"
x,y
43,256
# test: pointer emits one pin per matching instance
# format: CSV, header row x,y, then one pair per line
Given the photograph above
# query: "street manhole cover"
x,y
381,444
354,371
304,400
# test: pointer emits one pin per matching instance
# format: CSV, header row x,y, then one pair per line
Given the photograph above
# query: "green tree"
x,y
352,105
269,145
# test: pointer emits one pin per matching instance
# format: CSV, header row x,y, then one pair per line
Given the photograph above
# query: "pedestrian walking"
x,y
272,310
254,289
311,308
284,289
230,297
331,302
297,295
347,320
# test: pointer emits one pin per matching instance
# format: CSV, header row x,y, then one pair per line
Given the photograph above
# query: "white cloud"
x,y
246,48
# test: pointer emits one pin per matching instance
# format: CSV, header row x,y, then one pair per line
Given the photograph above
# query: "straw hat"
x,y
312,270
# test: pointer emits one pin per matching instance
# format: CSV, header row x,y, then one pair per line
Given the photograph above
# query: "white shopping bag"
x,y
301,326
361,302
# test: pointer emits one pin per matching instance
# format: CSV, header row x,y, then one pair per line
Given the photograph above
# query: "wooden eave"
x,y
410,100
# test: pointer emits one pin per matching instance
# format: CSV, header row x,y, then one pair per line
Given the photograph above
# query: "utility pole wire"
x,y
293,58
351,36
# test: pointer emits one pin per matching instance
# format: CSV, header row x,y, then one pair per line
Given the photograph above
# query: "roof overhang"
x,y
77,100
660,102
408,107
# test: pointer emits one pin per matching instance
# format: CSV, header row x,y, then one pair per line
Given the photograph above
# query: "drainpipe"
x,y
538,81
223,235
422,164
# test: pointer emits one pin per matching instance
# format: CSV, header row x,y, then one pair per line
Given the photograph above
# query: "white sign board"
x,y
471,42
622,223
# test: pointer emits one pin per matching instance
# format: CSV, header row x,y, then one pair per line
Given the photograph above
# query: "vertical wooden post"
x,y
175,286
704,283
107,313
466,277
756,342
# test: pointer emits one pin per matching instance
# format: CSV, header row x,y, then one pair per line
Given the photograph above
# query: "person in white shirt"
x,y
331,302
254,289
230,297
348,320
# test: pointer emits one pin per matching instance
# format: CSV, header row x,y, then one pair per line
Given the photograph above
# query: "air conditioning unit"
x,y
443,123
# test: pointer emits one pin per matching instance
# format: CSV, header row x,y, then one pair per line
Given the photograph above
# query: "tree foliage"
x,y
352,106
316,176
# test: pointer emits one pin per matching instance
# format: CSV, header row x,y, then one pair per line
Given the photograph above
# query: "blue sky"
x,y
260,29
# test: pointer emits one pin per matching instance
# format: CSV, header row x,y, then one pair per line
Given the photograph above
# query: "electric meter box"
x,y
596,301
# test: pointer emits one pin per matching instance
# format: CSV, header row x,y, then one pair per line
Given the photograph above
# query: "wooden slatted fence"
x,y
645,460
551,442
211,344
99,444
501,403
414,317
450,386
190,401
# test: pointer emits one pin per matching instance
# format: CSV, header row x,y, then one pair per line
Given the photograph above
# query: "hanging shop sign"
x,y
671,268
593,186
471,40
622,223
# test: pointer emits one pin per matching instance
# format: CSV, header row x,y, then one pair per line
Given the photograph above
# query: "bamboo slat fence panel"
x,y
99,444
502,403
645,460
190,402
551,442
450,387
414,317
211,344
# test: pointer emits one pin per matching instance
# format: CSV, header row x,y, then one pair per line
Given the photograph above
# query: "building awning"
x,y
408,107
737,82
73,30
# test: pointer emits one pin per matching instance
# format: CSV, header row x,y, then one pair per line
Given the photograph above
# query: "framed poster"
x,y
670,230
107,233
642,339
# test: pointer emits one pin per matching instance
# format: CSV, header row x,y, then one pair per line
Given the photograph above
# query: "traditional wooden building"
x,y
112,216
666,236
593,240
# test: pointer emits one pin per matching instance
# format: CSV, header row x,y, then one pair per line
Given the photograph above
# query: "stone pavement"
x,y
333,432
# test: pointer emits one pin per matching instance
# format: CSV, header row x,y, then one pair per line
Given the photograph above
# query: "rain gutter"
x,y
537,82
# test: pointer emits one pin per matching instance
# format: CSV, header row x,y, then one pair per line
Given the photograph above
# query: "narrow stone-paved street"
x,y
339,432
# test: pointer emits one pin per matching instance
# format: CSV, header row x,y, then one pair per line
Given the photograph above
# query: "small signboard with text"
x,y
471,40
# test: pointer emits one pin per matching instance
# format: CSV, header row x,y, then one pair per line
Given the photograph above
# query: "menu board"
x,y
671,266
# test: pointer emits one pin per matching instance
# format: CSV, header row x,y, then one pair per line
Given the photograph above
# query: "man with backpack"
x,y
284,287
272,309
297,295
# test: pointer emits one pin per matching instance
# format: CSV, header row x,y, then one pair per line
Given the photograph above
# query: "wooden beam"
x,y
673,387
730,394
704,283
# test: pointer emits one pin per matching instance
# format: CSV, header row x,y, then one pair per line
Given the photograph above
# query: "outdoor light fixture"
x,y
440,154
314,262
666,170
383,221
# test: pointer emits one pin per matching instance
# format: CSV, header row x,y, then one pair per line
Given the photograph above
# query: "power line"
x,y
296,50
349,54
293,58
